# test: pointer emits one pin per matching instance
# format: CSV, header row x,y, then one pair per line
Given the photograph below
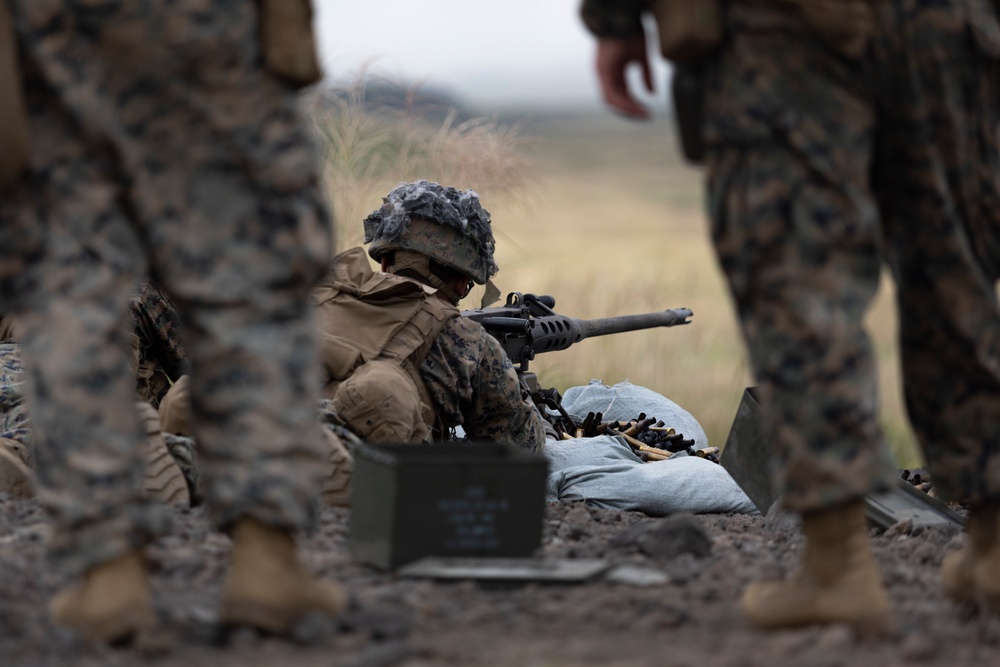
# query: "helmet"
x,y
447,225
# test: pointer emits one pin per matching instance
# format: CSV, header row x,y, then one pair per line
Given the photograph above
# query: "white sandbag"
x,y
605,473
624,401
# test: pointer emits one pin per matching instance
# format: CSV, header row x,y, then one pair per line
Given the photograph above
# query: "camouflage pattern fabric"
x,y
821,167
160,144
473,385
185,453
802,227
937,178
14,422
797,232
161,359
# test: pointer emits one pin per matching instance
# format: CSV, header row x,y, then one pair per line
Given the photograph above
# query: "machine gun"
x,y
527,325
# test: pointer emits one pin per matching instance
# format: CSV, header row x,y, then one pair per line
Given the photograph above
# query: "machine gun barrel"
x,y
557,332
622,323
527,325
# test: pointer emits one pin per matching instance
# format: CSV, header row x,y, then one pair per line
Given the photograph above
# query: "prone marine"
x,y
398,362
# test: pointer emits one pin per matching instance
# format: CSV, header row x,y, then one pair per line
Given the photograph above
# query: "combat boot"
x,y
335,488
162,477
268,588
175,408
16,477
837,581
113,604
969,575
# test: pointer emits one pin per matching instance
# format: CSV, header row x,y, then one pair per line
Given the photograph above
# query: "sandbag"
x,y
604,472
624,401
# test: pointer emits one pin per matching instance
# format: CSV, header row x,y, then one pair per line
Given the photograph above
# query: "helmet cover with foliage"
x,y
446,224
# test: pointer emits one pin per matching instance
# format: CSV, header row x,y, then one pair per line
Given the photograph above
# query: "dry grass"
x,y
608,221
368,151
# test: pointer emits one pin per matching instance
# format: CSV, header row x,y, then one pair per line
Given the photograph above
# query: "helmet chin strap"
x,y
407,261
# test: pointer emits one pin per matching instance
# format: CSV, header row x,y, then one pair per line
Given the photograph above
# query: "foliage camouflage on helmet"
x,y
441,222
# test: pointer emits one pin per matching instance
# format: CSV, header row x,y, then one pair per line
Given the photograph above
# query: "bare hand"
x,y
613,58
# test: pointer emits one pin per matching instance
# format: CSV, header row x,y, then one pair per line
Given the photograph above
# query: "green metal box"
x,y
470,499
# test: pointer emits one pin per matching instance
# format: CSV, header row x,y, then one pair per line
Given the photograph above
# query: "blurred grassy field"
x,y
612,222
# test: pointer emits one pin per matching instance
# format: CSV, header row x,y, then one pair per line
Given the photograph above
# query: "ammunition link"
x,y
651,440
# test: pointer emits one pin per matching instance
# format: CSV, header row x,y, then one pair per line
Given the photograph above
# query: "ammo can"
x,y
472,499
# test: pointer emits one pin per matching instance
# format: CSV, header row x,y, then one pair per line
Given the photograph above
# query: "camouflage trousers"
x,y
821,168
160,357
160,145
14,419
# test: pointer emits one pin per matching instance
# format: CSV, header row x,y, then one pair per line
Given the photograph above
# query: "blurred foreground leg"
x,y
268,588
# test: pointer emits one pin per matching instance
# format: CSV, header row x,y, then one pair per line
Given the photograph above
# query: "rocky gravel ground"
x,y
673,602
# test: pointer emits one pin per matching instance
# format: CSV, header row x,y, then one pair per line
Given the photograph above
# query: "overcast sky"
x,y
488,53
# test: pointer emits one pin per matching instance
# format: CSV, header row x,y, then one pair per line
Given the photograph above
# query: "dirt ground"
x,y
687,618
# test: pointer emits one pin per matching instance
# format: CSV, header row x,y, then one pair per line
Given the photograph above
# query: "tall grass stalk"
x,y
369,149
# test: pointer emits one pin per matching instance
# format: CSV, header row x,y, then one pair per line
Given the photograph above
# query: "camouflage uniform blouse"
x,y
474,385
